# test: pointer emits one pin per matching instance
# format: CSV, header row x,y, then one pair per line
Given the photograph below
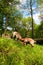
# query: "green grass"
x,y
15,53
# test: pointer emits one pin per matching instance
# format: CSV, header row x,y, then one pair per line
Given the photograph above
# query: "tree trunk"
x,y
31,17
6,24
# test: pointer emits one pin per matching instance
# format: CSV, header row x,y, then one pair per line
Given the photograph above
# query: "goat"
x,y
16,35
6,36
30,40
25,40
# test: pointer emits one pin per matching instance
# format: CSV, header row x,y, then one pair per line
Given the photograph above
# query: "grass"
x,y
15,53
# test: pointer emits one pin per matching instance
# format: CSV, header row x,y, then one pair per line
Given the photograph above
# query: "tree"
x,y
1,23
29,7
31,17
15,20
27,25
32,6
5,7
41,26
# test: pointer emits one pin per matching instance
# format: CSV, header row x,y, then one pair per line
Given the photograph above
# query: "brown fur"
x,y
30,40
25,40
18,36
6,36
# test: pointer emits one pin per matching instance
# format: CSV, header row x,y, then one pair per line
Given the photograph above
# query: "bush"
x,y
14,53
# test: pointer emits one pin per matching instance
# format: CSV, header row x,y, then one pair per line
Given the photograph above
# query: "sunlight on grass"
x,y
15,53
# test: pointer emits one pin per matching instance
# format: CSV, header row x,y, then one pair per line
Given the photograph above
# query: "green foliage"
x,y
15,19
1,23
27,22
26,28
14,53
39,31
40,2
41,26
9,9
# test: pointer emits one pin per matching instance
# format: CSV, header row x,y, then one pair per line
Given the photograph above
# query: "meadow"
x,y
13,52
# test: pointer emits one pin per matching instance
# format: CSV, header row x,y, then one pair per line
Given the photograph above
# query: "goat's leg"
x,y
32,44
24,43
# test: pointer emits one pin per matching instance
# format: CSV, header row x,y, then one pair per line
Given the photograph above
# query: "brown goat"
x,y
25,40
30,40
17,35
6,36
